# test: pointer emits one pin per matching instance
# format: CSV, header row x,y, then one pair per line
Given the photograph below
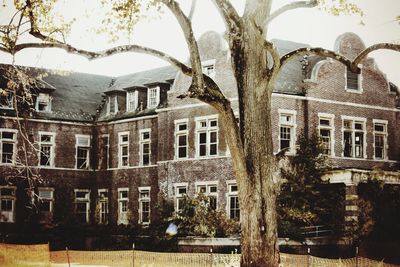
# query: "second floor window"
x,y
145,147
123,149
153,97
82,151
353,138
181,139
43,102
287,124
326,134
46,149
7,146
207,137
380,140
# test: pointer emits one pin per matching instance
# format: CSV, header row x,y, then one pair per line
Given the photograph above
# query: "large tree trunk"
x,y
255,165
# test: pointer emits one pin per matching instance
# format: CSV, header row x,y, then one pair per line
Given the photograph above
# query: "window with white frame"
x,y
153,97
7,204
43,102
112,105
46,200
82,205
82,151
180,194
207,136
209,68
233,201
123,199
326,132
123,149
102,206
287,130
46,149
354,137
8,139
380,139
352,81
145,147
209,189
181,139
6,99
144,205
131,101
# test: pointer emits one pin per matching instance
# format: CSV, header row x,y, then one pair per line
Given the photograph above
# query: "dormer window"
x,y
209,68
353,81
153,97
131,101
43,102
6,99
112,105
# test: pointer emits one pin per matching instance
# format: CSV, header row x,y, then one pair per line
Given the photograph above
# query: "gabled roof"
x,y
143,78
75,96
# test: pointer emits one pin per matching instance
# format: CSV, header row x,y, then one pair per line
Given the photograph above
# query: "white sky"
x,y
309,26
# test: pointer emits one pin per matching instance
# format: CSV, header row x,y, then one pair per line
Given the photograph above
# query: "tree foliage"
x,y
305,199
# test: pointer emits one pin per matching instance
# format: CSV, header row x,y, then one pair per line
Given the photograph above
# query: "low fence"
x,y
39,255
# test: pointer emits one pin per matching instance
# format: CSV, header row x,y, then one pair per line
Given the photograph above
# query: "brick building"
x,y
107,147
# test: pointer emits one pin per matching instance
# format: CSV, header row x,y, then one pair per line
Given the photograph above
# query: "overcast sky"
x,y
312,27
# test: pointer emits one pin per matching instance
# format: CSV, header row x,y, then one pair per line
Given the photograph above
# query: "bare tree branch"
x,y
192,9
388,46
229,14
186,26
291,6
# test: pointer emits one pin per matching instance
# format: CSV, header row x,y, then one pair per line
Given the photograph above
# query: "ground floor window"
x,y
144,205
102,206
233,202
123,200
82,205
7,204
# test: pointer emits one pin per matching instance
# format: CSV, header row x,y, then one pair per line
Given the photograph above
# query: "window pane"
x,y
182,152
347,144
182,140
7,135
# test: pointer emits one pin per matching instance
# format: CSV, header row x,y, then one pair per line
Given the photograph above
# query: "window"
x,y
180,194
43,102
82,151
326,133
82,205
209,189
380,139
103,206
287,127
7,204
46,199
209,68
352,81
46,149
123,149
6,99
153,97
144,205
131,100
112,105
8,145
181,139
354,138
233,201
123,200
145,147
207,136
105,152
